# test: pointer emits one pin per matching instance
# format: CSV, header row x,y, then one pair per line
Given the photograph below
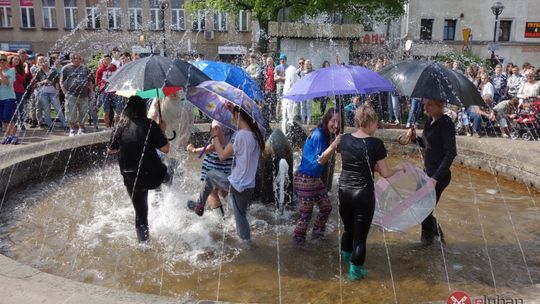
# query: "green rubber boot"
x,y
356,272
345,257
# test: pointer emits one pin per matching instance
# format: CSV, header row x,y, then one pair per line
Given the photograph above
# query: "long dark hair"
x,y
135,108
19,68
323,124
252,125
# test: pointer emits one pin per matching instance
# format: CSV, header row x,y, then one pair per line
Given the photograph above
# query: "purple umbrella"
x,y
338,80
212,98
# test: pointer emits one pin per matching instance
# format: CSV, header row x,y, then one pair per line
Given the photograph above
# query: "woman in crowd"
x,y
47,82
22,79
439,143
471,75
245,147
308,185
212,162
305,105
8,102
530,89
361,155
138,137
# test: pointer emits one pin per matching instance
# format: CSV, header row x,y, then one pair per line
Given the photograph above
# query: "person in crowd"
x,y
23,55
138,137
439,143
115,57
22,80
136,56
261,80
309,187
530,89
47,84
499,84
362,154
300,66
305,105
8,103
394,113
270,98
509,70
486,87
212,162
514,82
279,78
504,112
350,109
245,147
471,75
253,68
76,83
288,106
480,114
323,100
456,66
415,110
107,99
125,57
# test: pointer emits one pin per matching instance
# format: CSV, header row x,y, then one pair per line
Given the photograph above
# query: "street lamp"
x,y
497,9
163,5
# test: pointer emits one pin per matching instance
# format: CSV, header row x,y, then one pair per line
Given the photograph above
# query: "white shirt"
x,y
246,160
488,90
529,90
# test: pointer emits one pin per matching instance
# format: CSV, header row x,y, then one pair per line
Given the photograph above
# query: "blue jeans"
x,y
20,108
48,99
476,121
416,109
393,107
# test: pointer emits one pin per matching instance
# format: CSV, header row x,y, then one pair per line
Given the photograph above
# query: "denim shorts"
x,y
7,110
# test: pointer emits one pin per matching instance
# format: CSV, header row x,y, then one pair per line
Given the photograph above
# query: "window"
x,y
92,14
220,21
449,32
49,13
199,21
115,15
135,14
177,15
27,14
426,28
504,30
155,16
5,16
70,12
241,21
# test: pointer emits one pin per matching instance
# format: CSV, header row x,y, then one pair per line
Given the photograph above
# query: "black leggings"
x,y
356,208
140,203
430,223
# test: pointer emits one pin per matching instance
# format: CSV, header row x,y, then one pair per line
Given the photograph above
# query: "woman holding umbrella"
x,y
439,143
245,147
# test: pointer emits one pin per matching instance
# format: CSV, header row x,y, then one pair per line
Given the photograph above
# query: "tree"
x,y
267,10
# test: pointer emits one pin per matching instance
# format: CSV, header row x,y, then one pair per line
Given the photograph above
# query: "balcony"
x,y
310,30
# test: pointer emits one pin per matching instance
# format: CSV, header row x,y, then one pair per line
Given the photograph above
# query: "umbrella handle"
x,y
173,136
404,141
206,146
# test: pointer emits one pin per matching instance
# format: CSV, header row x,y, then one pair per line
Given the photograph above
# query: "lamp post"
x,y
497,9
163,5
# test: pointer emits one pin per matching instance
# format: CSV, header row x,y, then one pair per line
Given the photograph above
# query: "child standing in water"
x,y
245,147
361,156
308,185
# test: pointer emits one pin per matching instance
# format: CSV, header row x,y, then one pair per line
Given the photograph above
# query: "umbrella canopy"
x,y
161,92
212,98
232,75
432,80
338,80
155,72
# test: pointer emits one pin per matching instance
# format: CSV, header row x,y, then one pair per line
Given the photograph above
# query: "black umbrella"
x,y
432,80
155,72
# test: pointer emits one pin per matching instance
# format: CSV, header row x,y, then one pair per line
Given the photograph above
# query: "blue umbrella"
x,y
232,75
338,80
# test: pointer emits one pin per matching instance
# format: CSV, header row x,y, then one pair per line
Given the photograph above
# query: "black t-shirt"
x,y
130,141
355,153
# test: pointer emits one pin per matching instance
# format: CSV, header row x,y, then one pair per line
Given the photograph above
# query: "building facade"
x,y
436,26
88,26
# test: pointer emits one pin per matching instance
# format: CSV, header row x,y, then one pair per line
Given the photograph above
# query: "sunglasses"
x,y
3,59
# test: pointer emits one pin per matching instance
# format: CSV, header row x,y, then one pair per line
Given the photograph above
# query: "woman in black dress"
x,y
439,143
136,140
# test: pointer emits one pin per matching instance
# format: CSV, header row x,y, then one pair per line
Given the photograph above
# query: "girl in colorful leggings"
x,y
309,187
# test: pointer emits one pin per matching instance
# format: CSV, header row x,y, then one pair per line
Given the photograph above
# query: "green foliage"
x,y
465,58
93,64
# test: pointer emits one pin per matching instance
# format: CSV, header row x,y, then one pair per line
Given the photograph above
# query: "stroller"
x,y
528,123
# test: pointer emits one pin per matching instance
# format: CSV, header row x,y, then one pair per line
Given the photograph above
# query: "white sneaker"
x,y
71,132
408,125
81,131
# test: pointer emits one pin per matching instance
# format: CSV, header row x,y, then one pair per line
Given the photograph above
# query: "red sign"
x,y
371,39
532,30
459,297
26,2
5,2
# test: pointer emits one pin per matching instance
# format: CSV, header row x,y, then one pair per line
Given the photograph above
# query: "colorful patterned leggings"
x,y
310,191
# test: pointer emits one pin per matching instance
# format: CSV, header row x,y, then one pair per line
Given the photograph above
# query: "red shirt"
x,y
21,81
270,85
103,74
